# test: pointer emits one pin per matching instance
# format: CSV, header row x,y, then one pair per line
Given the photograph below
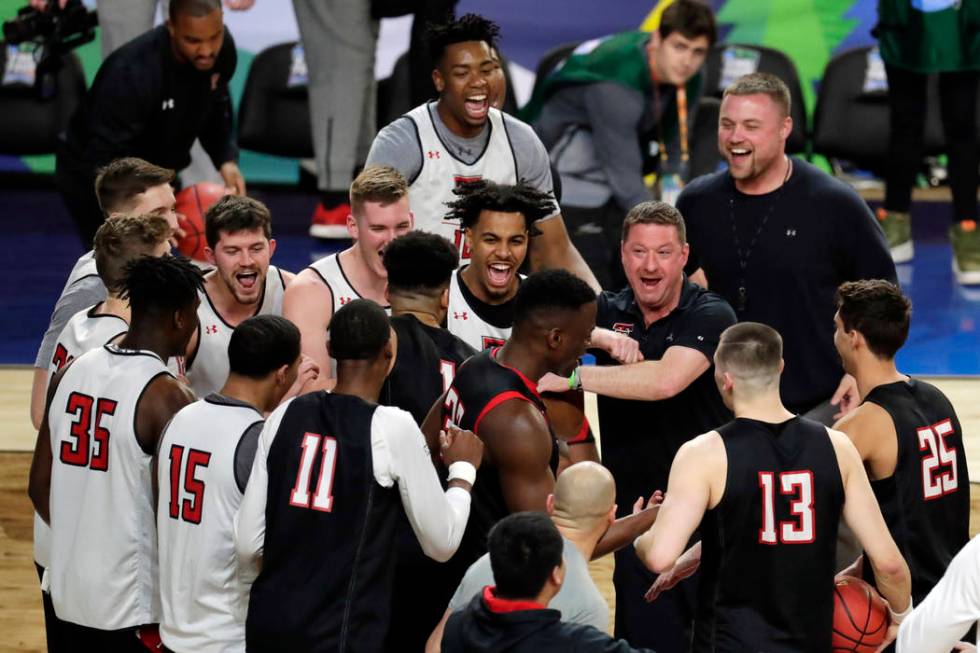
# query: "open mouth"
x,y
247,280
651,283
738,153
499,274
477,106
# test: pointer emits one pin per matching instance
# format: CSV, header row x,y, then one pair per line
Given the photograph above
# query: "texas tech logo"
x,y
490,343
625,328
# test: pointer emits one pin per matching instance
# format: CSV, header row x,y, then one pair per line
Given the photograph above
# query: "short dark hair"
x,y
118,182
763,84
234,213
689,17
477,196
358,331
549,291
655,213
470,27
750,350
879,311
420,262
160,285
525,547
195,8
261,345
120,239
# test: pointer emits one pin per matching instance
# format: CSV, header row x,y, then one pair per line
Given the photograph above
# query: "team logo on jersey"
x,y
167,104
460,179
625,328
461,316
211,329
490,343
345,300
434,154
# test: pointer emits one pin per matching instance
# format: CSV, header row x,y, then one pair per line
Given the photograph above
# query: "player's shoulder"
x,y
307,280
522,136
869,417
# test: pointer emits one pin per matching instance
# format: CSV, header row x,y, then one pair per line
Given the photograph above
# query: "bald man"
x,y
582,507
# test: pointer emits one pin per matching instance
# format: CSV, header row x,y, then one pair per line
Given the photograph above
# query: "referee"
x,y
152,98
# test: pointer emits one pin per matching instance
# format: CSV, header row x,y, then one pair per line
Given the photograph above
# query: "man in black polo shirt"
x,y
151,98
647,410
776,236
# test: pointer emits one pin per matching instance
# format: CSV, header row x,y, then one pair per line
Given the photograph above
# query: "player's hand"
x,y
853,570
551,382
846,397
621,347
232,176
966,647
458,445
239,5
655,500
685,566
306,376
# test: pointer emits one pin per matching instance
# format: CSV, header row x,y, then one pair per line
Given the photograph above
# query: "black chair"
x,y
852,124
31,124
274,118
705,157
767,60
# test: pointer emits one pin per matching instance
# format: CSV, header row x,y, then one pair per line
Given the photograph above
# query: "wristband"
x,y
575,380
463,471
899,617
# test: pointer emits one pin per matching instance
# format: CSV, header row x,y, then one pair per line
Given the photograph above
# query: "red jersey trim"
x,y
583,433
531,385
500,606
493,403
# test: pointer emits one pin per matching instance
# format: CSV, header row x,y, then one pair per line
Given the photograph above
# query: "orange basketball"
x,y
192,203
860,617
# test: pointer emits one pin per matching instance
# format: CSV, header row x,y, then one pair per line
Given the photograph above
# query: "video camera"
x,y
55,31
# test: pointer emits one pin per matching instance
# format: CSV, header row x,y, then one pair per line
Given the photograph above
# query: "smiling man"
x,y
151,98
597,112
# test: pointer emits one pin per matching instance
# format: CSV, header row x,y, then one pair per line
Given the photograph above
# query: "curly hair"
x,y
470,27
477,196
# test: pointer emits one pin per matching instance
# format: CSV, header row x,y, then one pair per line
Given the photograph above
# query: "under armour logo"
x,y
434,154
167,104
344,300
791,233
211,329
460,316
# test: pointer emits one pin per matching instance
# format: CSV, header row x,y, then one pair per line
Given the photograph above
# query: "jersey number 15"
x,y
193,505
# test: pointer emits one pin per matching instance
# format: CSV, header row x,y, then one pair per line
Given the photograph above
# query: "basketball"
x,y
192,203
860,617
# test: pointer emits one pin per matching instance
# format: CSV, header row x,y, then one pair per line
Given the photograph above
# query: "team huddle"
x,y
388,451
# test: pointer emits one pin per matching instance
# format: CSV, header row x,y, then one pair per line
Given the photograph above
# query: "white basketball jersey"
x,y
442,171
84,331
207,368
84,267
203,602
103,571
332,273
464,322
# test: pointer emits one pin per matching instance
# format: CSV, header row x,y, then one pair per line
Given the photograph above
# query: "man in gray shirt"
x,y
461,137
582,508
128,185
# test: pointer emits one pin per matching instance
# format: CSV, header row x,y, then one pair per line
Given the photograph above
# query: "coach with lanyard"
x,y
596,112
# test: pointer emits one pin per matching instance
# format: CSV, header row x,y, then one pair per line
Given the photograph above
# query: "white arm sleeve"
x,y
250,520
949,610
401,456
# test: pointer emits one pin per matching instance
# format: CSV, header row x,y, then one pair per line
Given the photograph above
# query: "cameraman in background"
x,y
150,99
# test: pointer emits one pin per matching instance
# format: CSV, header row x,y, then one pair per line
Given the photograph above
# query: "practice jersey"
x,y
479,324
769,546
426,365
926,502
207,367
481,385
441,172
103,571
331,272
326,570
204,459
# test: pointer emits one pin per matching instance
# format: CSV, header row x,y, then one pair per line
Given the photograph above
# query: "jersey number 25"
x,y
932,440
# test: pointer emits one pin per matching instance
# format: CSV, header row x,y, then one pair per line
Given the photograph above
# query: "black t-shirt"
x,y
425,366
641,438
926,502
819,234
144,103
769,546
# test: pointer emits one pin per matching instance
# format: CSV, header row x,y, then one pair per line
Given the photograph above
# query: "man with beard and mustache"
x,y
379,214
238,232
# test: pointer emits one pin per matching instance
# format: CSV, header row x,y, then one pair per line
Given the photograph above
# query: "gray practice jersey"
x,y
82,289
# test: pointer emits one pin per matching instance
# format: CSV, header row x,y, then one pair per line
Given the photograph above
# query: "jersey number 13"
x,y
799,485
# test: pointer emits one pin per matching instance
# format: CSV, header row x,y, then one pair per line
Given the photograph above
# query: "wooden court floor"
x,y
21,619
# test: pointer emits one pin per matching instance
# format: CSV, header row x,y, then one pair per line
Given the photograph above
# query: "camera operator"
x,y
151,98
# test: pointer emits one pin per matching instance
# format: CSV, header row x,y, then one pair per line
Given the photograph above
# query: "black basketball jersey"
x,y
926,502
768,547
426,364
481,385
326,569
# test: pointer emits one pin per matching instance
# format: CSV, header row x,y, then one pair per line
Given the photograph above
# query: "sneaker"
x,y
898,233
965,238
330,223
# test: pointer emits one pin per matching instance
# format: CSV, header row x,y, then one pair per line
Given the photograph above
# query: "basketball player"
x,y
240,244
768,490
321,505
905,431
461,137
203,466
129,185
91,474
379,213
494,396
